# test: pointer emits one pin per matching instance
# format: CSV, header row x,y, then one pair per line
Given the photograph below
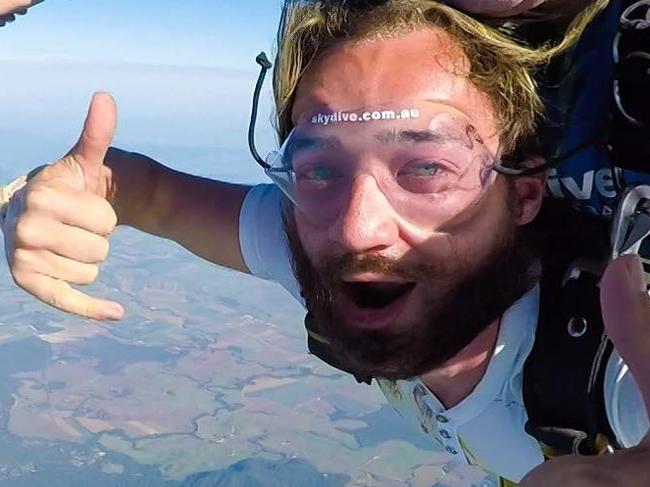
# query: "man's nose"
x,y
367,223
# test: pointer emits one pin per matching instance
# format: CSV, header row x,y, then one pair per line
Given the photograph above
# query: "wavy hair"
x,y
500,66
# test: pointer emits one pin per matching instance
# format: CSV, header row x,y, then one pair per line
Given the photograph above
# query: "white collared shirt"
x,y
494,411
487,427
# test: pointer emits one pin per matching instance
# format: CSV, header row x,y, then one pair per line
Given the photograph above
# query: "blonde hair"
x,y
500,67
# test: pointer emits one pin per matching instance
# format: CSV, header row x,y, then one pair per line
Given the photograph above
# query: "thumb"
x,y
623,295
626,314
95,139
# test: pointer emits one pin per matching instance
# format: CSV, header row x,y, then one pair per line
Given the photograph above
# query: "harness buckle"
x,y
631,223
630,226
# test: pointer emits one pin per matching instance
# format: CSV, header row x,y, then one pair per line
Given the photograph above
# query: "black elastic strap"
x,y
265,65
556,161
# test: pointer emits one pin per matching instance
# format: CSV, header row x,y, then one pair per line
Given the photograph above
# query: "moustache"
x,y
330,270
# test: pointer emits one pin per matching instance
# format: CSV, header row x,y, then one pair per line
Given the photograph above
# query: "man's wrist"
x,y
8,192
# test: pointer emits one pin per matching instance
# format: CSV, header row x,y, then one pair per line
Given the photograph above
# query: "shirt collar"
x,y
514,342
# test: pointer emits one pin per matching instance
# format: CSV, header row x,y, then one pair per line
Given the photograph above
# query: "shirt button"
x,y
445,434
451,450
441,419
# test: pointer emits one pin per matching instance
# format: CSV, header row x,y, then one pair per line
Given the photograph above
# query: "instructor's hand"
x,y
10,8
626,314
624,468
56,227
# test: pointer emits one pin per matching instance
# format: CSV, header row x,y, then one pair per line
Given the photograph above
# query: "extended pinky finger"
x,y
59,294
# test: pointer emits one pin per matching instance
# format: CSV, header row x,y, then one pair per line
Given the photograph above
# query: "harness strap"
x,y
564,373
320,346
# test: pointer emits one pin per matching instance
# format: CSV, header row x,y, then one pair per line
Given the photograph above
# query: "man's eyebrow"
x,y
313,142
306,142
414,136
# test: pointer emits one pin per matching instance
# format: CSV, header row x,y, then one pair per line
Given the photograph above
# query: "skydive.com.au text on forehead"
x,y
368,116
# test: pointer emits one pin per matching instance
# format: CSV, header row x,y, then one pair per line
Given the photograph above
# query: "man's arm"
x,y
513,8
198,213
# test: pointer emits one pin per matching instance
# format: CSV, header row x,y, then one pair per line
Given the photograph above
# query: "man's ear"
x,y
528,192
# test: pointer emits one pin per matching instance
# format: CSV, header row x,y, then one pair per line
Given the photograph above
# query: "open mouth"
x,y
376,295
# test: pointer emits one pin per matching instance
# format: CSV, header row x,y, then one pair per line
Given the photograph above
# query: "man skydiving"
x,y
390,219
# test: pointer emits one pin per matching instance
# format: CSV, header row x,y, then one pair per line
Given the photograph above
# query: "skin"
x,y
496,8
82,197
10,8
626,313
512,8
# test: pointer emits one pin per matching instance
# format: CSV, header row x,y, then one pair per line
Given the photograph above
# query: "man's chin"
x,y
386,352
390,366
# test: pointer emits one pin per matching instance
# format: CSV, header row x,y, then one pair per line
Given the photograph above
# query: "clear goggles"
x,y
420,161
425,164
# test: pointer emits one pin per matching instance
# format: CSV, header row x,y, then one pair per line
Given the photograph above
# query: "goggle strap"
x,y
265,65
556,161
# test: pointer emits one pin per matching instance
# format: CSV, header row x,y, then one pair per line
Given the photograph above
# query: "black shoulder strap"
x,y
564,373
318,345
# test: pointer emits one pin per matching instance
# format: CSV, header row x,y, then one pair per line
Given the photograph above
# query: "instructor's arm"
x,y
57,227
10,8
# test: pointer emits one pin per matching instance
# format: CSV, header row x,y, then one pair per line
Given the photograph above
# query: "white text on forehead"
x,y
368,116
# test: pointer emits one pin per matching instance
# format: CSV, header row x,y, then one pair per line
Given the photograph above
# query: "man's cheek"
x,y
313,239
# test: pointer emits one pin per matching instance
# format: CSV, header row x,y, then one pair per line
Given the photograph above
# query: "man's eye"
x,y
424,169
319,173
426,177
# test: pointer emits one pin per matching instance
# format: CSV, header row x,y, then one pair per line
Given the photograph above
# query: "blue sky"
x,y
221,33
182,71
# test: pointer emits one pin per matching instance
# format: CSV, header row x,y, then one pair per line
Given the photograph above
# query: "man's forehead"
x,y
427,64
365,72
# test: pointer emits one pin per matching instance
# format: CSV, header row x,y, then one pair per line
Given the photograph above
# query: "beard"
x,y
455,309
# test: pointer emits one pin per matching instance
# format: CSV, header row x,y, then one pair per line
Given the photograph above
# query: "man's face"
x,y
395,298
